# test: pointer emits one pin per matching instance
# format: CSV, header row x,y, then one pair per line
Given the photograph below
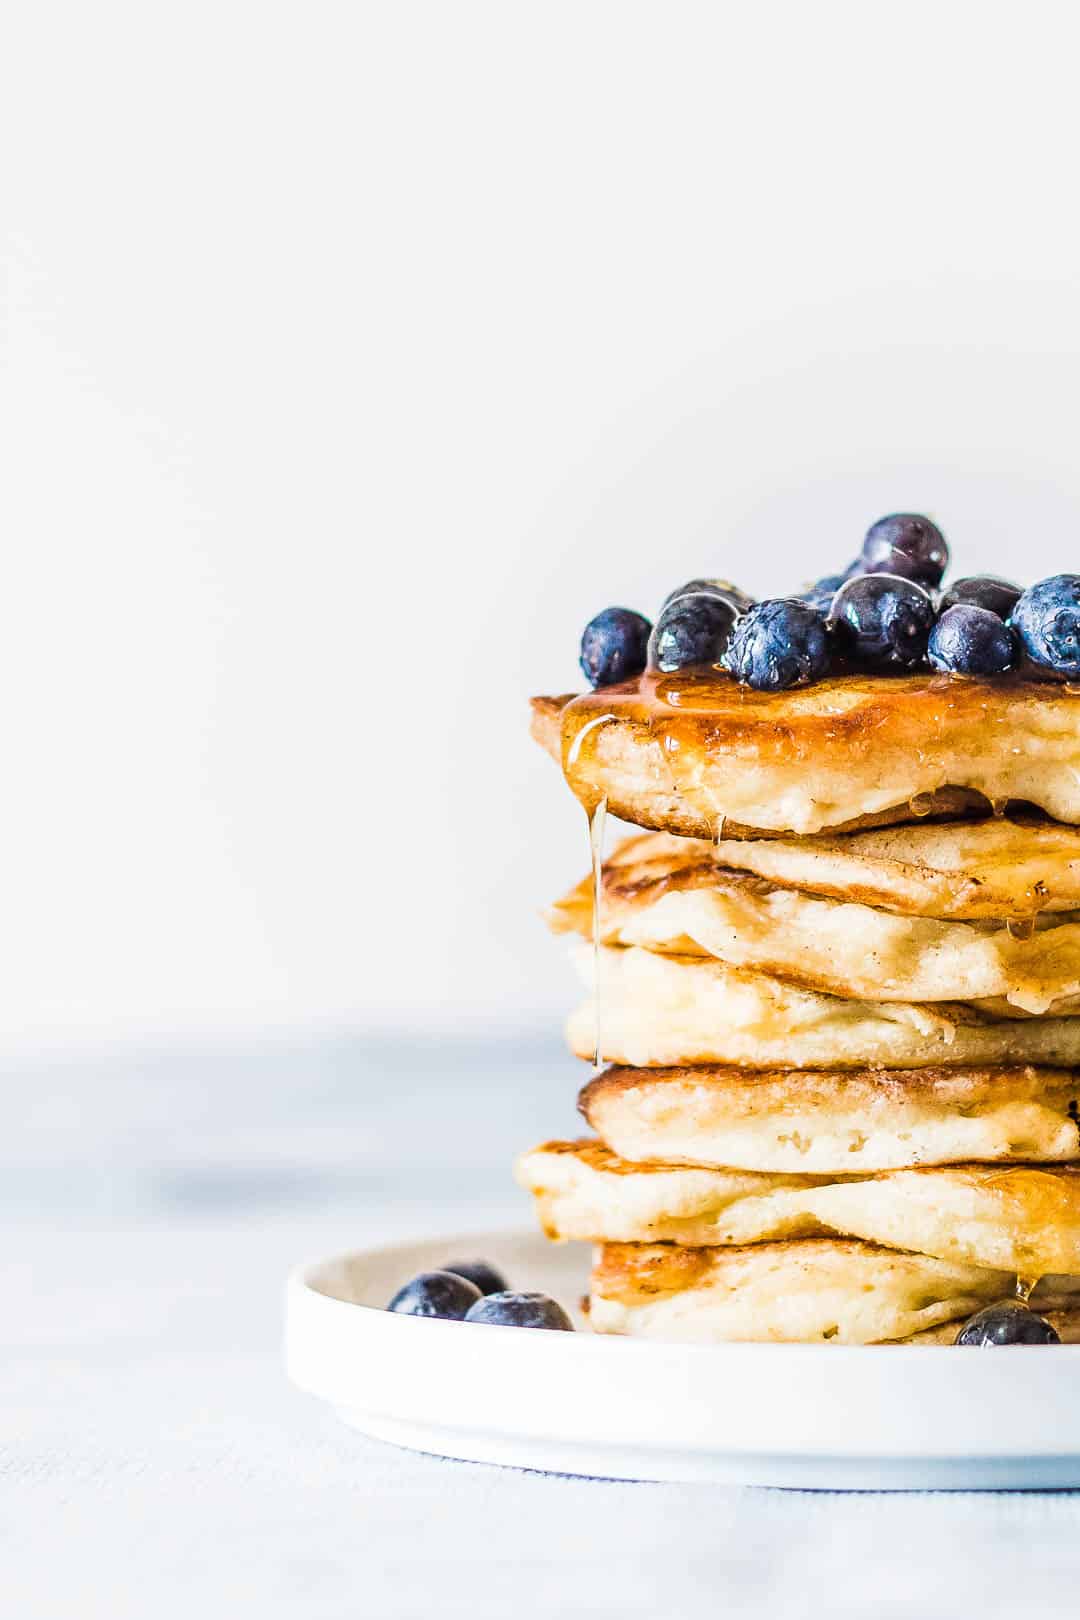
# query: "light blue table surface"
x,y
155,1464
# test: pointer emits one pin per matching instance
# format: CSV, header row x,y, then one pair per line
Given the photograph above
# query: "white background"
x,y
356,354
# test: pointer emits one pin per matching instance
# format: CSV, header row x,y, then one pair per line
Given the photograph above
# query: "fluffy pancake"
x,y
829,1123
811,1291
1014,866
1020,1219
678,900
690,752
658,1010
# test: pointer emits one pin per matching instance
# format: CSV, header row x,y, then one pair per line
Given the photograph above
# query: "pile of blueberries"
x,y
887,611
473,1291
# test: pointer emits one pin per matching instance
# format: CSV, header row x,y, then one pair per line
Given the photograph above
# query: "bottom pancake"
x,y
813,1291
834,1123
1066,1325
1021,1219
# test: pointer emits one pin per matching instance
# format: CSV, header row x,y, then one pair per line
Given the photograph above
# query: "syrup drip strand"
x,y
597,821
1025,1287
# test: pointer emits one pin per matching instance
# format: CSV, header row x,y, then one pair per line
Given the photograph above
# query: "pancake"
x,y
679,901
662,1010
691,752
1021,1219
811,1291
1014,866
829,1123
1066,1324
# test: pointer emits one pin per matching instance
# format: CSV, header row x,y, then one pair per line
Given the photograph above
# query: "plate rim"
x,y
299,1279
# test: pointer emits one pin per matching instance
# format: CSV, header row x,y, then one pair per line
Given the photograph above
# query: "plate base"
x,y
819,1417
775,1472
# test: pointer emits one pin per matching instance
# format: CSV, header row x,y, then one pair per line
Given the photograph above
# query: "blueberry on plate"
x,y
998,596
779,644
480,1274
969,640
614,646
508,1309
693,629
882,620
436,1293
908,544
1007,1322
1047,620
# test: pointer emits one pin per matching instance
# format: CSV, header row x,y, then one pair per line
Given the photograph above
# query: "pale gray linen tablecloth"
x,y
155,1463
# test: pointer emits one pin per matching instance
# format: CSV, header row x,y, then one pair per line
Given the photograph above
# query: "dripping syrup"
x,y
1020,928
574,749
597,822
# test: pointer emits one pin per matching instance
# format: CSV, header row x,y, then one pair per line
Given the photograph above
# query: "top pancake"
x,y
698,754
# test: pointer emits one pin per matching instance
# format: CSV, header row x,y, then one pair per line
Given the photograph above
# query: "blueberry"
x,y
906,544
614,646
998,596
881,620
1047,620
507,1309
822,591
692,629
779,644
480,1274
436,1293
1007,1322
711,587
970,640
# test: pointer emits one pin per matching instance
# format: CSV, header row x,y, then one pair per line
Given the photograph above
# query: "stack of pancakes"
x,y
838,979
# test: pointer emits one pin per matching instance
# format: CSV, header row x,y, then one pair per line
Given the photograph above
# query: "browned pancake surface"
x,y
1018,867
696,753
827,1122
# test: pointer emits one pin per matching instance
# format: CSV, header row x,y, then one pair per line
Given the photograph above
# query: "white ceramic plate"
x,y
821,1416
